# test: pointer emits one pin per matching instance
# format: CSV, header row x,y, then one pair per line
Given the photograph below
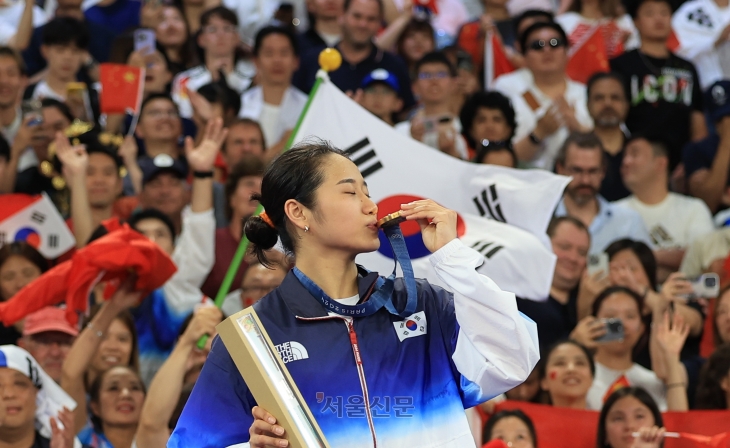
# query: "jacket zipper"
x,y
358,362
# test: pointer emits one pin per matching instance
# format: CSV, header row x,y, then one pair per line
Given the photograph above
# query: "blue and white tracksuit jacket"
x,y
416,376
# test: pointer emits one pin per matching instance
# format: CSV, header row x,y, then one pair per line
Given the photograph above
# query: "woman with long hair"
x,y
713,392
628,411
615,366
387,360
108,340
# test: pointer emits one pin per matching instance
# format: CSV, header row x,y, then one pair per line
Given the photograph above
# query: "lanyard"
x,y
383,294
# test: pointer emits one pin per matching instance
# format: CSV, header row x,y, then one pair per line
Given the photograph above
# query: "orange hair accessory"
x,y
267,220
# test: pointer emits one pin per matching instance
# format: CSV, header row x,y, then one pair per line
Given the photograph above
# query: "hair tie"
x,y
267,220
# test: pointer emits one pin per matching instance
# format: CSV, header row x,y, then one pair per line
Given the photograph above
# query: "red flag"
x,y
588,56
717,441
111,258
430,5
495,59
620,383
121,88
495,443
559,429
673,42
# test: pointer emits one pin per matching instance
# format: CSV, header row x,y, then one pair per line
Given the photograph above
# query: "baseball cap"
x,y
49,318
151,167
718,100
381,75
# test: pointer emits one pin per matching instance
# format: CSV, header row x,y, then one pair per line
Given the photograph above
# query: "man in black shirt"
x,y
557,316
360,56
665,89
325,30
608,106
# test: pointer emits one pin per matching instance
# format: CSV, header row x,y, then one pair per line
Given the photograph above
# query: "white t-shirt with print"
x,y
675,222
637,376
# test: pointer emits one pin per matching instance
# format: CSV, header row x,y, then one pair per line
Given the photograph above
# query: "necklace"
x,y
652,68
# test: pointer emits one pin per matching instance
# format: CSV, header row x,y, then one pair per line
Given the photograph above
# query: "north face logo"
x,y
292,351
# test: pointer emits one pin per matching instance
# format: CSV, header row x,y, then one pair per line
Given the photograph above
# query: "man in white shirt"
x,y
219,40
582,157
434,124
548,105
674,220
274,103
703,30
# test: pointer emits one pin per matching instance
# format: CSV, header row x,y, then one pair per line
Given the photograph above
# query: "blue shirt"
x,y
613,222
117,17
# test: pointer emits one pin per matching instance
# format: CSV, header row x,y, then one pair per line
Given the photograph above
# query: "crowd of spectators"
x,y
645,140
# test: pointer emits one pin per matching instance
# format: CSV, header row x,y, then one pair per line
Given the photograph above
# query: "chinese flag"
x,y
620,383
495,60
588,57
121,88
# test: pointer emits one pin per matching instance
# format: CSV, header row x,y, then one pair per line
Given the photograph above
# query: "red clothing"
x,y
225,248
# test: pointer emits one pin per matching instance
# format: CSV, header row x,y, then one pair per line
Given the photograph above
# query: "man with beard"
x,y
243,181
608,107
558,315
674,220
582,157
360,23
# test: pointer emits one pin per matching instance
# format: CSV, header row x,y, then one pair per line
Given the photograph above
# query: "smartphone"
x,y
34,109
144,40
598,263
706,286
614,330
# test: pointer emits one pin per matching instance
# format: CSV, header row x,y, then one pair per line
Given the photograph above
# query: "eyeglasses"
x,y
437,75
539,45
212,29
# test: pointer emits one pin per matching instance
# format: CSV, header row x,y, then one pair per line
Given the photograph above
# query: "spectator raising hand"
x,y
202,157
670,334
165,389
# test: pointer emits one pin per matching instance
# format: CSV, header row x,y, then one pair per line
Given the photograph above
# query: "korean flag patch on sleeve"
x,y
413,325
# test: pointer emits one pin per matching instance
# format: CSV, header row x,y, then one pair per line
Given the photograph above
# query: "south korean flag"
x,y
36,221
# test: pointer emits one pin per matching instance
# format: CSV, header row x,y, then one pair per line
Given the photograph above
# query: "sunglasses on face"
x,y
539,45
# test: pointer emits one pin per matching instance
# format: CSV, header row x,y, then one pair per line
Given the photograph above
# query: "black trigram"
x,y
488,204
38,217
364,157
486,248
53,240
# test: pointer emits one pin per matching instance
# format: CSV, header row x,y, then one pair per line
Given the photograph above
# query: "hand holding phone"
x,y
34,110
598,263
614,330
144,41
706,286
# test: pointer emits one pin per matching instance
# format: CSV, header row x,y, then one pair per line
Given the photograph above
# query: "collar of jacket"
x,y
301,303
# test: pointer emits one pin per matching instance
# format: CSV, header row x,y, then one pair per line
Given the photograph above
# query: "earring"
x,y
306,229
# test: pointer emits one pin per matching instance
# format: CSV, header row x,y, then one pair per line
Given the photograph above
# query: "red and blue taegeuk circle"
x,y
411,230
29,235
411,325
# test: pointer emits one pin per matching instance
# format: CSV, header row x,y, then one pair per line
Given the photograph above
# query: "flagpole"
x,y
329,60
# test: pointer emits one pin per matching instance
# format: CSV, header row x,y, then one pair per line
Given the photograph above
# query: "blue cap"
x,y
384,76
718,100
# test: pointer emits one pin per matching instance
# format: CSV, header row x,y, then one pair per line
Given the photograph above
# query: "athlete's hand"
x,y
438,224
264,432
